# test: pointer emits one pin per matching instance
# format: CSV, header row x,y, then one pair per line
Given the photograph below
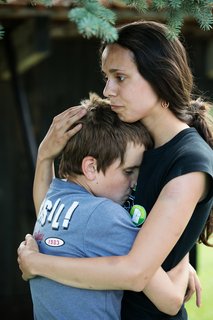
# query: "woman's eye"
x,y
121,78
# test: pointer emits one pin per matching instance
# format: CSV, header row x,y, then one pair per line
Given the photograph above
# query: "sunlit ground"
x,y
205,272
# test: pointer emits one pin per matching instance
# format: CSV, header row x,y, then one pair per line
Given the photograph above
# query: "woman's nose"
x,y
109,89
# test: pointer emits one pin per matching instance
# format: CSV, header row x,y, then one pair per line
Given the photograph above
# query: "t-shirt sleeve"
x,y
191,161
109,231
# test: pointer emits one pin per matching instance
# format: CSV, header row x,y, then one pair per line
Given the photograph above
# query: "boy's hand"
x,y
25,250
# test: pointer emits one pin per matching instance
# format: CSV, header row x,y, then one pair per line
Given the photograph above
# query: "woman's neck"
x,y
164,127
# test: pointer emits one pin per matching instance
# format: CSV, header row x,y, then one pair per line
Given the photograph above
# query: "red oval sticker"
x,y
54,242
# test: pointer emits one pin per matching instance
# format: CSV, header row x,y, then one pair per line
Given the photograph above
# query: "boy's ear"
x,y
89,167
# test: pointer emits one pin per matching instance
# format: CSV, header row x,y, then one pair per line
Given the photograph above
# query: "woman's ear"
x,y
89,167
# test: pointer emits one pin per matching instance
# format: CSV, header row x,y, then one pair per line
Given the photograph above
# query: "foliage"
x,y
94,19
205,273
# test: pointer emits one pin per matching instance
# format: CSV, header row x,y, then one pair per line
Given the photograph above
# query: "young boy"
x,y
82,216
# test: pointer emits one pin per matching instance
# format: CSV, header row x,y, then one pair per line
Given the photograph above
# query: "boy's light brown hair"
x,y
103,136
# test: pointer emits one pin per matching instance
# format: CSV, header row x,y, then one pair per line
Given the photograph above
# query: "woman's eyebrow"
x,y
113,70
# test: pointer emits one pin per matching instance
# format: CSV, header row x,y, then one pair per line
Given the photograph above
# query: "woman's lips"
x,y
113,107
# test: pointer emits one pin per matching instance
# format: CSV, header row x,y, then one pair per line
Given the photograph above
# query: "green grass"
x,y
205,273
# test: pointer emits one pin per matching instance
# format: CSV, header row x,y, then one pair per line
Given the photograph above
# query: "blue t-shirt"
x,y
72,222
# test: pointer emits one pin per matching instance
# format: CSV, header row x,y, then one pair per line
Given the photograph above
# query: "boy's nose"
x,y
133,185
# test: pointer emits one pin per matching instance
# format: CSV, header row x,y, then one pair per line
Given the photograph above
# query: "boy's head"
x,y
104,148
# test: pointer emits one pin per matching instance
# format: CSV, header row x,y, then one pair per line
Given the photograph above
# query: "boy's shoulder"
x,y
107,227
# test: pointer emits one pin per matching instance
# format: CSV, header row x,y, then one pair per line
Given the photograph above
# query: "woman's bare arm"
x,y
168,291
165,290
51,146
44,174
153,243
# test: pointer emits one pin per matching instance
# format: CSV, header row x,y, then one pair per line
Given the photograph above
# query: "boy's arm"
x,y
167,290
52,145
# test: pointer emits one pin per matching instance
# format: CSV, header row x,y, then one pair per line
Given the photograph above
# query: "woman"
x,y
147,79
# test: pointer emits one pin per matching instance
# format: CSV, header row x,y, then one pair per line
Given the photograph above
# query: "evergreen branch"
x,y
47,3
175,4
204,18
141,6
175,20
90,25
94,19
100,11
177,10
202,12
97,9
158,5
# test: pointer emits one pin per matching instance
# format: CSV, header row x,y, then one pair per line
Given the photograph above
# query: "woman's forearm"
x,y
167,290
94,273
51,146
154,241
44,174
101,274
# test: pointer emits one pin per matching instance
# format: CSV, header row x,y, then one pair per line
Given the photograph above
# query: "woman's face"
x,y
130,95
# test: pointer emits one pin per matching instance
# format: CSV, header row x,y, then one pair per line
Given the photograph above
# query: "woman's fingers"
x,y
61,130
194,286
26,248
69,117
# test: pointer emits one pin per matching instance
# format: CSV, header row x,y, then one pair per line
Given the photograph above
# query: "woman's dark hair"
x,y
164,64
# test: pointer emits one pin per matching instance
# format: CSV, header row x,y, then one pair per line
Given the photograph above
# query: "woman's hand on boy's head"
x,y
26,249
59,132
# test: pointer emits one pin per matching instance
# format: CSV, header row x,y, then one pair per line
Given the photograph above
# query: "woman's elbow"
x,y
135,276
173,306
136,281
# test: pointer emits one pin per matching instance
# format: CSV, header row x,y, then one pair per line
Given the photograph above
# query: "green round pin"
x,y
138,214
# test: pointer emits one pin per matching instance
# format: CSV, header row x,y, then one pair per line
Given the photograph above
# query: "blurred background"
x,y
46,66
